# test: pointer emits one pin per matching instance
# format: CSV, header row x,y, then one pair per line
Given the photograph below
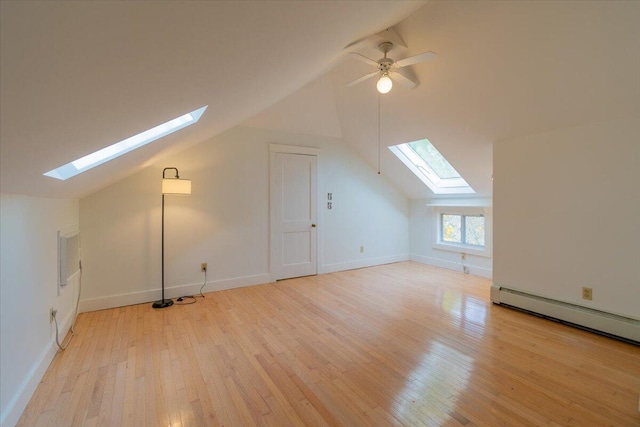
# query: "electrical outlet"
x,y
361,249
52,313
204,266
587,293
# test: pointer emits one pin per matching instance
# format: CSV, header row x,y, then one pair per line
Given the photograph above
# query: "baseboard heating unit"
x,y
620,327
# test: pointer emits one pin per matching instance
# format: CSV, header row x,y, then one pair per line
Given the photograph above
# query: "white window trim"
x,y
459,247
118,149
428,176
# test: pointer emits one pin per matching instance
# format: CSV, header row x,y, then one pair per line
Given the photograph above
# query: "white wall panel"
x,y
28,290
567,215
225,221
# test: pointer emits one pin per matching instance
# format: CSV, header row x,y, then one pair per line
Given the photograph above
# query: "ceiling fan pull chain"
x,y
378,133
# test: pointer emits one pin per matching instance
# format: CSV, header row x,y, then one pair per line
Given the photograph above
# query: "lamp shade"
x,y
384,84
176,186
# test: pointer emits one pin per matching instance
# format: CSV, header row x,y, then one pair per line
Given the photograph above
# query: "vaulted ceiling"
x,y
78,76
503,69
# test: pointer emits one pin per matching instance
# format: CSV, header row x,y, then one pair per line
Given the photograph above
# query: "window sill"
x,y
457,248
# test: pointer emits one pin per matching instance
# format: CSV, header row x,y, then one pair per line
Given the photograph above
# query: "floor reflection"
x,y
434,385
464,308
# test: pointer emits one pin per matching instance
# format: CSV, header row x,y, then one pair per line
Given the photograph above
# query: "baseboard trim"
x,y
172,292
361,263
219,285
450,265
16,405
610,324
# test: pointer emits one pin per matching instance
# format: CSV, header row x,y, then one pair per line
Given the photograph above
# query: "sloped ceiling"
x,y
503,69
310,110
78,76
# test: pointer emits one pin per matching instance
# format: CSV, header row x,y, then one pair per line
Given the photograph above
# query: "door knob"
x,y
313,225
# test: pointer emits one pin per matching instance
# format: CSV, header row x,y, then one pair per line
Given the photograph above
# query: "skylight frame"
x,y
420,168
113,151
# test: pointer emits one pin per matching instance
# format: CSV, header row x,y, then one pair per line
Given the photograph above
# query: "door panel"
x,y
296,188
296,247
293,246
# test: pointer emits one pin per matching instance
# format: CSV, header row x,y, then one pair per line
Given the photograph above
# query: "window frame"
x,y
463,229
440,244
421,169
113,151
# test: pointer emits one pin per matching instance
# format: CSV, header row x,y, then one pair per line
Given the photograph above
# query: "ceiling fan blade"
x,y
403,80
415,59
363,58
363,78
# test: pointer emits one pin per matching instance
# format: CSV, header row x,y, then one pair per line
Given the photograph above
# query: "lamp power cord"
x,y
193,297
64,345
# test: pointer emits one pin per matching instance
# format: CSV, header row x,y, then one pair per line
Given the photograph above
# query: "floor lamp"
x,y
173,185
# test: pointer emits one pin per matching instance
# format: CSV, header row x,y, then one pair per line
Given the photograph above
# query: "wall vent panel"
x,y
68,256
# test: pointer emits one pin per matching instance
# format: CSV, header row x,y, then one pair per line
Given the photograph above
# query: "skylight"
x,y
426,162
119,148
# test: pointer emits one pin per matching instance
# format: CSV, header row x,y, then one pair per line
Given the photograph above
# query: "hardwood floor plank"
x,y
402,344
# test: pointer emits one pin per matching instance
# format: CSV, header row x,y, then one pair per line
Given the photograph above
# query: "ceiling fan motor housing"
x,y
384,64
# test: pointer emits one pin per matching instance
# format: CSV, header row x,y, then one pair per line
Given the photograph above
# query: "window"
x,y
99,157
464,229
426,162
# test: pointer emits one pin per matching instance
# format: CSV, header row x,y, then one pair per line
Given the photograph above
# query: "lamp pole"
x,y
167,302
171,301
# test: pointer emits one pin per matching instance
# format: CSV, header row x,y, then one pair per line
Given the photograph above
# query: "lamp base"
x,y
162,303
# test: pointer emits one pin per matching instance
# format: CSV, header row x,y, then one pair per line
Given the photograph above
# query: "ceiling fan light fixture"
x,y
384,84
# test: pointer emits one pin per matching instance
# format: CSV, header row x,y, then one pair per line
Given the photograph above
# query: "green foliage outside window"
x,y
464,229
434,159
452,228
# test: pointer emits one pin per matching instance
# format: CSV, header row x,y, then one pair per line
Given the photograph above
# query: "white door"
x,y
293,210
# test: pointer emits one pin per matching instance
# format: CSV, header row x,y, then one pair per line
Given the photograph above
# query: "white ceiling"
x,y
503,69
78,76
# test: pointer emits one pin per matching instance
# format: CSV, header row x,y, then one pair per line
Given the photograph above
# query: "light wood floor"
x,y
400,344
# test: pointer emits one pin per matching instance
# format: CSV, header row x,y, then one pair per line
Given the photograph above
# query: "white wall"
x,y
28,289
567,215
367,211
225,221
423,226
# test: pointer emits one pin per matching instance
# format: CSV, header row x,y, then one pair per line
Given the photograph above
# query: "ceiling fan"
x,y
389,69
